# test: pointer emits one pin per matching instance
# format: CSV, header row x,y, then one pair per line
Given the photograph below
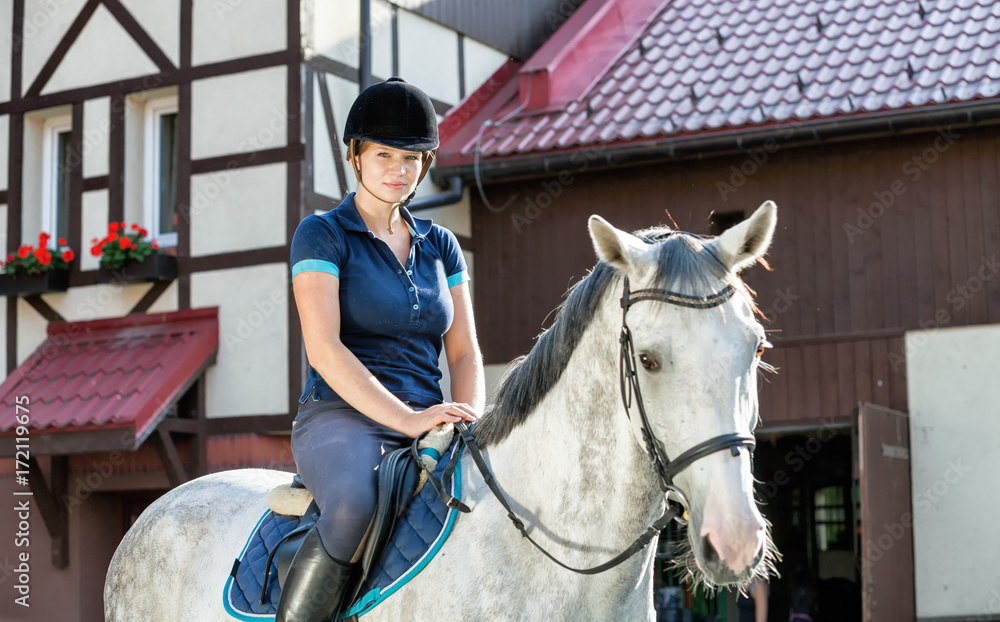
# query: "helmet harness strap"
x,y
355,158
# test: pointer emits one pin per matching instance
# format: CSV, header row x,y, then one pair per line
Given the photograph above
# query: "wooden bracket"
x,y
170,457
50,505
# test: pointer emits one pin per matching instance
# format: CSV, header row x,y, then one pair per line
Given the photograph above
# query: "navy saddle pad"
x,y
418,537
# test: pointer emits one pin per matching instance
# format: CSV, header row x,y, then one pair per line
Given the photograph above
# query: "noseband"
x,y
676,503
667,469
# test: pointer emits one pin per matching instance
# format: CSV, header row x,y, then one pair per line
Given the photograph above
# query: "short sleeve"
x,y
317,246
455,267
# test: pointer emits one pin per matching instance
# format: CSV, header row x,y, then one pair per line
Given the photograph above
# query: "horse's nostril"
x,y
708,551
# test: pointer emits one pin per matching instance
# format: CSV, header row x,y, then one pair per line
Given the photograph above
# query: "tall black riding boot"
x,y
315,584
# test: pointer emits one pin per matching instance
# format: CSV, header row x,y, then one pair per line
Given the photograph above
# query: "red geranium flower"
x,y
142,232
95,250
112,237
113,226
134,226
43,238
23,252
68,255
62,242
125,242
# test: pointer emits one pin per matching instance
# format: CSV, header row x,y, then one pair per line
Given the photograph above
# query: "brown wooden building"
x,y
884,164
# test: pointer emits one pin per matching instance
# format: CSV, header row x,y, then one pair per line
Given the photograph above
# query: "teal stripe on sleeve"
x,y
316,265
458,279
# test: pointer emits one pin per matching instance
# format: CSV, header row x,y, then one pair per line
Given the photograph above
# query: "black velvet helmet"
x,y
393,113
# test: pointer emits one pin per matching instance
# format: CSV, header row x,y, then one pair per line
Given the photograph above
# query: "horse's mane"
x,y
685,264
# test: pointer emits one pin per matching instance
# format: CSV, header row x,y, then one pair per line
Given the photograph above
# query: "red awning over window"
x,y
105,385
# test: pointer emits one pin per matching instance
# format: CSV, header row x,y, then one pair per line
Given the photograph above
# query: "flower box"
x,y
24,284
154,268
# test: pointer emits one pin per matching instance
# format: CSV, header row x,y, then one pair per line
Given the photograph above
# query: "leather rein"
x,y
676,502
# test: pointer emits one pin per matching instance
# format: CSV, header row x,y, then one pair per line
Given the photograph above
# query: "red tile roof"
x,y
628,72
109,375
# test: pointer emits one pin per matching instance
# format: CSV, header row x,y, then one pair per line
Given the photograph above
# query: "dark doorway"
x,y
807,491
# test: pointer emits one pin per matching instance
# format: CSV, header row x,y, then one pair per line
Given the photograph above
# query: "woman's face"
x,y
390,173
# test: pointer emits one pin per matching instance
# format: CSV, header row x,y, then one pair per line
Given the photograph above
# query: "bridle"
x,y
666,469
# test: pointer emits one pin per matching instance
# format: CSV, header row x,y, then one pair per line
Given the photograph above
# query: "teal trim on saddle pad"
x,y
240,615
367,602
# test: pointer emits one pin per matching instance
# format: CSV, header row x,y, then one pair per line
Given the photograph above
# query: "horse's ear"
x,y
740,246
613,246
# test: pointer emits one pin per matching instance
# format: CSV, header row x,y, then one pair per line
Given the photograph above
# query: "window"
x,y
830,506
160,177
56,157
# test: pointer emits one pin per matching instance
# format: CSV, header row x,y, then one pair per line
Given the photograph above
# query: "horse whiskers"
x,y
686,563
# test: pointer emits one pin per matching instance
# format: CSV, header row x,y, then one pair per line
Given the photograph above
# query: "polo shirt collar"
x,y
350,219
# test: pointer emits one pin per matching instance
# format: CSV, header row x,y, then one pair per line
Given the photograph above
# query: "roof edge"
x,y
798,134
131,321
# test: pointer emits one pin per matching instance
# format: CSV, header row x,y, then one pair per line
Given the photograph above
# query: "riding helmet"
x,y
393,113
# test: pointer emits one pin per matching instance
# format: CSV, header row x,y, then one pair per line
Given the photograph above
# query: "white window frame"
x,y
50,169
154,109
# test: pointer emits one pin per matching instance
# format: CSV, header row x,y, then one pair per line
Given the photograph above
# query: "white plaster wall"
x,y
135,139
3,331
238,210
102,53
227,29
45,23
251,374
481,62
954,401
94,224
381,27
30,328
4,142
162,22
96,128
332,30
167,302
239,113
6,21
95,302
342,95
455,217
428,56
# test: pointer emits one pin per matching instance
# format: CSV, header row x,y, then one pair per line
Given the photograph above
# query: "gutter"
x,y
699,146
453,195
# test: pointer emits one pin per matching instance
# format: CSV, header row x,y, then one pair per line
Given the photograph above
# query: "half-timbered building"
x,y
214,125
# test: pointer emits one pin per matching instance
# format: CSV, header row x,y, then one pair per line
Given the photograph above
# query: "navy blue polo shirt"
x,y
393,317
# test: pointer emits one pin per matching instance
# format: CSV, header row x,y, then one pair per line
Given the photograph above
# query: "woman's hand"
x,y
449,412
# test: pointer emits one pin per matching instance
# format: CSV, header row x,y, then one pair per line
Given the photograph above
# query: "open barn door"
x,y
886,535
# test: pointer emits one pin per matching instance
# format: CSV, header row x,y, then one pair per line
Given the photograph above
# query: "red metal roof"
x,y
623,72
112,374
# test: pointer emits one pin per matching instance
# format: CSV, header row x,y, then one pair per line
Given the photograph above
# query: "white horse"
x,y
570,458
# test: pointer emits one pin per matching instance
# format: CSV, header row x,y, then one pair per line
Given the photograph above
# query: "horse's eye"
x,y
648,362
760,350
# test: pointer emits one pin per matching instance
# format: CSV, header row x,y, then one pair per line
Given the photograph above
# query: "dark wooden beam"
x,y
150,297
43,308
331,130
290,153
83,442
116,159
139,35
99,182
145,83
50,506
235,259
60,50
169,456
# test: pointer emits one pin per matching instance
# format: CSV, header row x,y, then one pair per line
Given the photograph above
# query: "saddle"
x,y
401,475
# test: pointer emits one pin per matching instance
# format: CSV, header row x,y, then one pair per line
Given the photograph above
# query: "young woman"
x,y
379,293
